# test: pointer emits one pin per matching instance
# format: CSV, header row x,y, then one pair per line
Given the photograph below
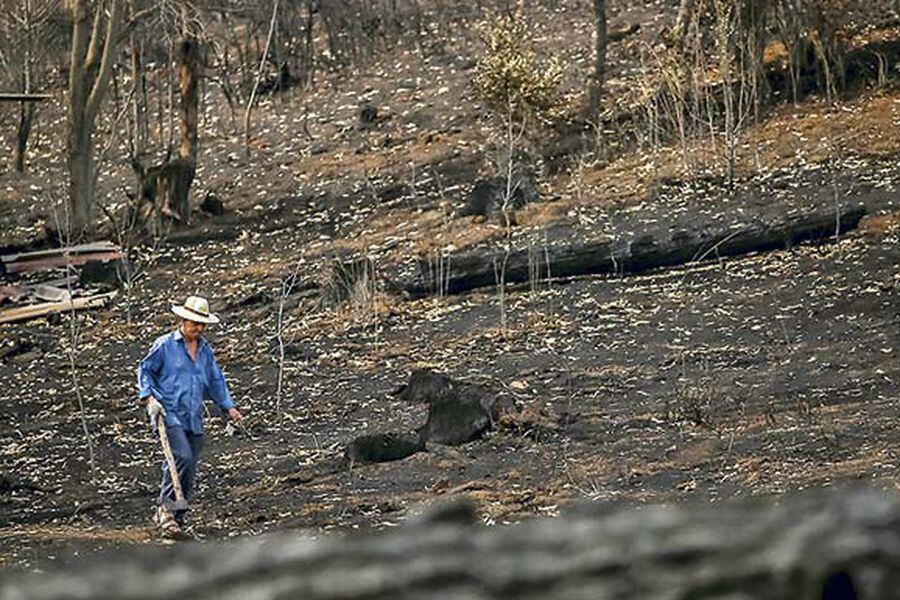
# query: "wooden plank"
x,y
104,246
22,313
60,261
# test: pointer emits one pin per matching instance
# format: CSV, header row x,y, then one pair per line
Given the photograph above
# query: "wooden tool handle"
x,y
170,459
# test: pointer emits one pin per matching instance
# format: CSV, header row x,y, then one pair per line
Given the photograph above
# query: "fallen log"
x,y
480,268
816,546
26,97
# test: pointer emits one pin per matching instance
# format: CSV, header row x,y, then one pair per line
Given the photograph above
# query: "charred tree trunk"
x,y
188,78
81,177
476,269
595,94
26,115
839,546
166,188
93,42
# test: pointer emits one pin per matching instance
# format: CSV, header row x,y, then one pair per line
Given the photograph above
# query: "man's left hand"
x,y
235,415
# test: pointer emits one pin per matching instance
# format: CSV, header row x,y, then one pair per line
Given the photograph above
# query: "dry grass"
x,y
812,133
413,232
880,225
422,149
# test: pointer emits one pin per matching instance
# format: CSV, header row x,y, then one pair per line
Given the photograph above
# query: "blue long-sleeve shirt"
x,y
180,384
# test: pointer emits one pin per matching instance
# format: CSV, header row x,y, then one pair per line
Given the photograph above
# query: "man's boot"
x,y
167,523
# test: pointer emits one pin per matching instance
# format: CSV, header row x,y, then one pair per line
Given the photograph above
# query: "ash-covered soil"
x,y
753,375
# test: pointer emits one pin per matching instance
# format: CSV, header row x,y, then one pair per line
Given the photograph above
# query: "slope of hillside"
x,y
748,375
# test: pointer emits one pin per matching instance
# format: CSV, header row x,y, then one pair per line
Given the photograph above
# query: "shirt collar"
x,y
178,337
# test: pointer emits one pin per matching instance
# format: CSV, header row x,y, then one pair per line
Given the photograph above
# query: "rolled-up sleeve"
x,y
218,389
148,370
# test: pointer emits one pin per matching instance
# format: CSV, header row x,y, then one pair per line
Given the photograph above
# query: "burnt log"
x,y
815,546
479,268
460,414
458,411
383,447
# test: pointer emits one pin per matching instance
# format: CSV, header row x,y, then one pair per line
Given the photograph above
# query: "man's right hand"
x,y
154,408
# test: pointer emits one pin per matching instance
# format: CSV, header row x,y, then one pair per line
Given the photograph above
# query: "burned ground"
x,y
741,376
749,375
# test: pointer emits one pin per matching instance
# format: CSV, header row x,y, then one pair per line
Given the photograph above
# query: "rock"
x,y
458,412
368,114
458,417
100,272
486,197
383,447
213,205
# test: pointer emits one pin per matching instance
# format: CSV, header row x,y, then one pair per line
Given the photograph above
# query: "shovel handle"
x,y
170,459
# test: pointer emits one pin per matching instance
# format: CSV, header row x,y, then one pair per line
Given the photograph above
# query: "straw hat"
x,y
196,309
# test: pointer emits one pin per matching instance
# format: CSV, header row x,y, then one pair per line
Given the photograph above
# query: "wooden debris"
x,y
59,257
12,292
51,293
22,313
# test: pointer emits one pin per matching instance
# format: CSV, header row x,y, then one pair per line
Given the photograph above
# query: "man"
x,y
174,378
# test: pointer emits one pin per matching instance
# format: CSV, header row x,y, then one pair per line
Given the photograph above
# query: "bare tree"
x,y
165,188
95,28
189,68
28,33
727,22
262,64
73,341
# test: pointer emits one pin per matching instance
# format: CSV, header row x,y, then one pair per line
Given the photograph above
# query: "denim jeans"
x,y
186,448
